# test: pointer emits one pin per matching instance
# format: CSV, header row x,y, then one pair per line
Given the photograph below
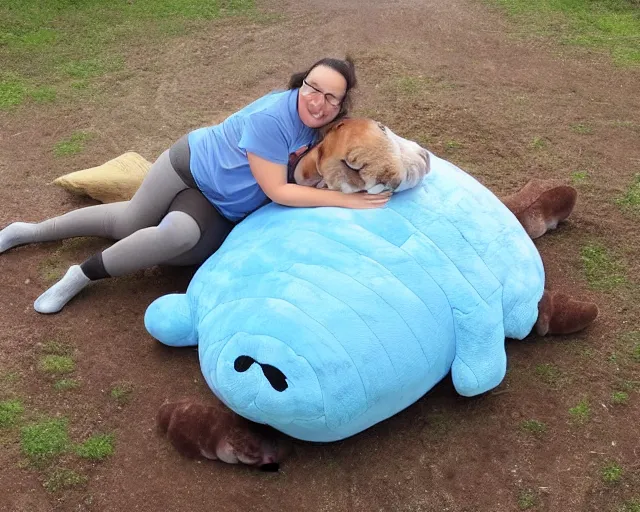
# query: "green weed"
x,y
537,428
10,410
61,479
538,143
55,364
66,385
611,473
548,373
96,447
619,397
581,412
602,270
121,392
631,199
45,439
608,25
579,177
72,145
527,499
582,129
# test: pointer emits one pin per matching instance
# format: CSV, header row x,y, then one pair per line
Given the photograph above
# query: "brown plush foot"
x,y
560,314
541,204
217,433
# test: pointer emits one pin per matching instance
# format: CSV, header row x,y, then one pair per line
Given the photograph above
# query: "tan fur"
x,y
358,143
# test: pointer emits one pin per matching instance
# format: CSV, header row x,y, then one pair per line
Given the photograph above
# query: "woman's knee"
x,y
152,200
179,232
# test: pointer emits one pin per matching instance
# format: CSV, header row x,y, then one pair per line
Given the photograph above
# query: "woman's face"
x,y
321,96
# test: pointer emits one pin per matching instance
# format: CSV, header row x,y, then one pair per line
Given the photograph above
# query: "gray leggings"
x,y
167,221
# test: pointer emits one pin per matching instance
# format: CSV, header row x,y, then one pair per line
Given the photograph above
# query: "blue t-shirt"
x,y
270,127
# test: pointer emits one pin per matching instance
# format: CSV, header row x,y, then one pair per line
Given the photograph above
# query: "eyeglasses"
x,y
307,90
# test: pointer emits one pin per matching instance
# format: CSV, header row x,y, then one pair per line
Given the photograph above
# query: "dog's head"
x,y
362,155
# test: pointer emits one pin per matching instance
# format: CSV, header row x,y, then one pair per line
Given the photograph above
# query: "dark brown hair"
x,y
345,67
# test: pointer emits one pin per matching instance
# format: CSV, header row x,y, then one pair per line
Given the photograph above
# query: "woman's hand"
x,y
272,178
363,200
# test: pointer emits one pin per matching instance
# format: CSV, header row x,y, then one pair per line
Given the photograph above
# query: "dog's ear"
x,y
333,125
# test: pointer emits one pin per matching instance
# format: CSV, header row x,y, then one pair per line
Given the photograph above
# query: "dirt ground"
x,y
455,76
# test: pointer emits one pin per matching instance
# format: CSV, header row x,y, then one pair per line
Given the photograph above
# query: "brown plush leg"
x,y
560,314
541,204
217,433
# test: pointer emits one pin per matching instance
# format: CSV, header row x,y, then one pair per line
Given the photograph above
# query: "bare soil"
x,y
457,77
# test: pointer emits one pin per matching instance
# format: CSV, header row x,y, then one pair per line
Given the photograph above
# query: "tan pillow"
x,y
116,180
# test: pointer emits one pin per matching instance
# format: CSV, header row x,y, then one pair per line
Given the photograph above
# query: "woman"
x,y
205,183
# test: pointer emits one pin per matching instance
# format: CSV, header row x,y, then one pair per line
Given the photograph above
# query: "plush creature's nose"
x,y
276,378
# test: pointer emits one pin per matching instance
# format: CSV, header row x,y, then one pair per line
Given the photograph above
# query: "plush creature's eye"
x,y
382,127
352,166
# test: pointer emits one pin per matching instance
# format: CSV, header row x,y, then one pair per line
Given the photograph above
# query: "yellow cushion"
x,y
116,180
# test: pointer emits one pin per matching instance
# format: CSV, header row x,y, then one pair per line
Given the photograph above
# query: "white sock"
x,y
15,234
54,299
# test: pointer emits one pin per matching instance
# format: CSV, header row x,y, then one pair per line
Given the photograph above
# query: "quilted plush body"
x,y
322,322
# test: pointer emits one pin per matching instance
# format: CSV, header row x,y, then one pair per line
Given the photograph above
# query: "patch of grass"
x,y
630,506
72,145
619,397
527,499
43,94
581,412
611,473
602,270
12,91
61,479
631,199
55,364
624,124
538,143
58,41
548,373
587,352
608,25
410,85
10,410
121,392
537,428
57,347
45,439
66,385
452,144
7,380
90,68
51,269
97,447
579,177
582,129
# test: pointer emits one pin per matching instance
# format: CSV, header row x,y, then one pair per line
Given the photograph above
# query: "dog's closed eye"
x,y
353,166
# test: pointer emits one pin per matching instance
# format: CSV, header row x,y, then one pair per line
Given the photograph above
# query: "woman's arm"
x,y
272,179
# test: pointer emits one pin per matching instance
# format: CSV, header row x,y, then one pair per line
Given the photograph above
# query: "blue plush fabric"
x,y
362,311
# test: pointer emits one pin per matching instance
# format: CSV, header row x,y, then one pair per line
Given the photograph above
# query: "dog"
x,y
361,155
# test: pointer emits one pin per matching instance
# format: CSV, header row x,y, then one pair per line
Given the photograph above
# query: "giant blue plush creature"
x,y
322,322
